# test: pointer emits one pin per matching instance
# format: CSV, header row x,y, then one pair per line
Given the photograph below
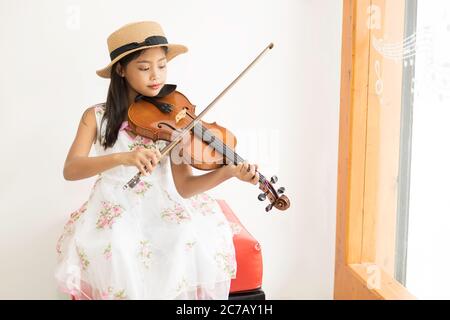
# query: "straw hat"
x,y
137,36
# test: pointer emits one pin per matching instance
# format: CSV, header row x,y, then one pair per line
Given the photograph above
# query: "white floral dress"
x,y
145,242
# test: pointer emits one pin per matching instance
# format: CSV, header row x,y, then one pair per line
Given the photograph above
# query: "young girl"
x,y
163,239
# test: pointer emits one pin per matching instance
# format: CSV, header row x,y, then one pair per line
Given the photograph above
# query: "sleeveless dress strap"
x,y
99,112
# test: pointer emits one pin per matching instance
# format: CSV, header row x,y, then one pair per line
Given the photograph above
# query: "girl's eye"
x,y
161,67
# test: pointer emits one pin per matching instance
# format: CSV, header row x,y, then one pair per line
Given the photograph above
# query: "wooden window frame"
x,y
358,272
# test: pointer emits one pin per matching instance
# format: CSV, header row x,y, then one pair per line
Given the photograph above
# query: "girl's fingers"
x,y
153,159
142,170
255,180
146,163
244,167
247,172
149,166
248,175
154,153
147,159
235,169
238,168
252,176
253,170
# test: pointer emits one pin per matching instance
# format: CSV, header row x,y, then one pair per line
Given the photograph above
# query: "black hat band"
x,y
150,41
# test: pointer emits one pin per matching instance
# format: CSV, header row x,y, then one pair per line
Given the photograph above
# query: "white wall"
x,y
287,107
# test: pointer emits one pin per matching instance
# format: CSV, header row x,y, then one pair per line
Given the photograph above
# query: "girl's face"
x,y
147,73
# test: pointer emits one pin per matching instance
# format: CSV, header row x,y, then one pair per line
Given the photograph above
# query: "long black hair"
x,y
116,110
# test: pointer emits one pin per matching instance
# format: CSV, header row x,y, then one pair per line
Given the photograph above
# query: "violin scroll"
x,y
276,197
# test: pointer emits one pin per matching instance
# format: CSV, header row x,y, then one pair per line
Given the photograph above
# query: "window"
x,y
373,76
393,212
425,271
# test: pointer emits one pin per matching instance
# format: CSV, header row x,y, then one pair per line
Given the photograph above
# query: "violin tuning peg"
x,y
262,197
281,190
269,207
274,179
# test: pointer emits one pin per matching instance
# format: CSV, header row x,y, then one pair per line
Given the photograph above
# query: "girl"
x,y
163,239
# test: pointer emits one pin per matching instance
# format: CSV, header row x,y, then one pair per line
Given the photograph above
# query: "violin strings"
x,y
221,147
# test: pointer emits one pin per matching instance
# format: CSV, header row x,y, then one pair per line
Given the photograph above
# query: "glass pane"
x,y
428,260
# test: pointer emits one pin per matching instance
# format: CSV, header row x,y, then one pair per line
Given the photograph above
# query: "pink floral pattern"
x,y
176,213
83,258
69,226
111,294
100,110
145,253
226,262
190,244
108,214
140,141
74,216
182,285
141,188
107,252
203,203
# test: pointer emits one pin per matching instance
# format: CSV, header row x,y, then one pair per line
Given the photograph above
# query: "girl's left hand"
x,y
244,171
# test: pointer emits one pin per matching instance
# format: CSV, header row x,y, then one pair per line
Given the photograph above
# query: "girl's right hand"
x,y
142,158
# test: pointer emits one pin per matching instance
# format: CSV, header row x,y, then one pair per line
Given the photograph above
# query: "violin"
x,y
171,117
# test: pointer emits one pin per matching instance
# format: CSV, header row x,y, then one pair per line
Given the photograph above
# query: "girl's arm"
x,y
189,185
78,165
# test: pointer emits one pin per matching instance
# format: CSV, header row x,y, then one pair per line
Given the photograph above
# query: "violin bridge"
x,y
180,115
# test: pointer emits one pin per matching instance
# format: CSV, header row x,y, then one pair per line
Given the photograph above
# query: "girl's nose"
x,y
153,74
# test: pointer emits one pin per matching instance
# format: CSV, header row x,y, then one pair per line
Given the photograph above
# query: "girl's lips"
x,y
155,86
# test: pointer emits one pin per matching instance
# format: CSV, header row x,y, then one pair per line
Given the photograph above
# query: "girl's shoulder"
x,y
99,108
92,112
